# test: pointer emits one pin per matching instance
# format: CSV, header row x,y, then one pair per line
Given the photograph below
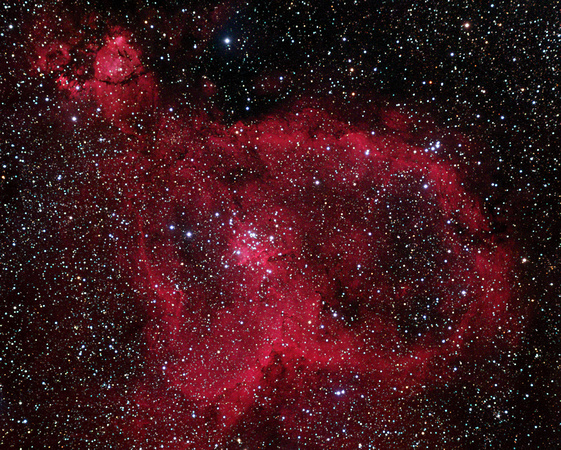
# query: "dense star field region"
x,y
283,225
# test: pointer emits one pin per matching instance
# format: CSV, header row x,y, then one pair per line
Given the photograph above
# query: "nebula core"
x,y
306,277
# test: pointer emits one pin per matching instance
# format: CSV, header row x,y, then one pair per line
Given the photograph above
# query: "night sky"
x,y
283,225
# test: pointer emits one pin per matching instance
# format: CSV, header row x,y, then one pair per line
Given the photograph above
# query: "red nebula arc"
x,y
295,263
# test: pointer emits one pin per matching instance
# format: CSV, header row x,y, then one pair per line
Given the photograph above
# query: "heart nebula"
x,y
306,281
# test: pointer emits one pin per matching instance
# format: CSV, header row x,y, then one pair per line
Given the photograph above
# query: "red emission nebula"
x,y
307,278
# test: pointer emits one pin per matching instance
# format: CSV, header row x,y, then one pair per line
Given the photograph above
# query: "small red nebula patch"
x,y
123,87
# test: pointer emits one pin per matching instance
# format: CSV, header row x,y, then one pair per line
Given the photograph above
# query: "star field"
x,y
285,225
